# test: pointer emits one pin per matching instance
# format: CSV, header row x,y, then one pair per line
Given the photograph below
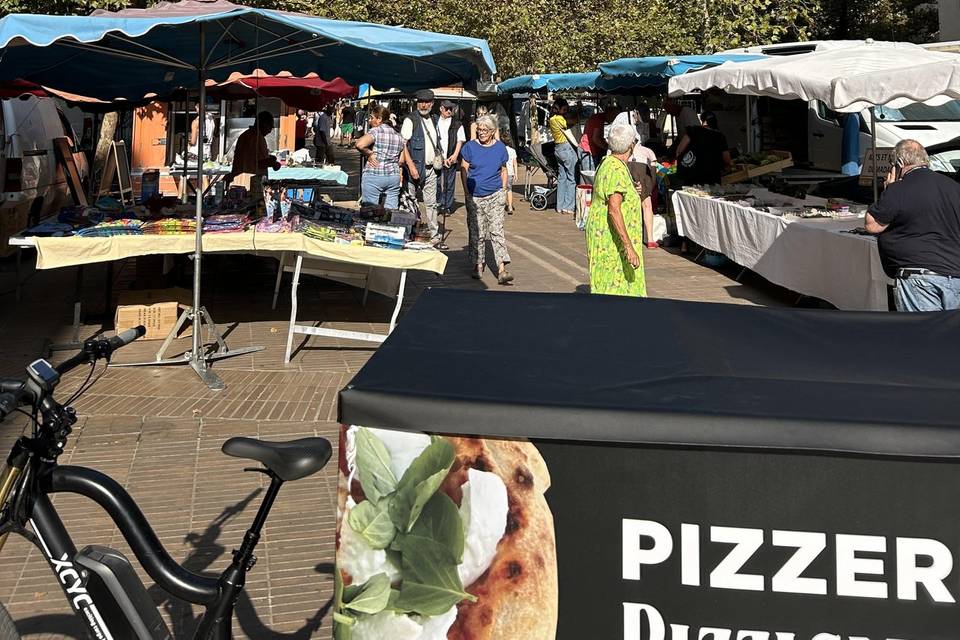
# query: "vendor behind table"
x,y
251,157
917,219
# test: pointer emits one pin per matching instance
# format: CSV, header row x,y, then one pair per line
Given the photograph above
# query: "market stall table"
x,y
812,256
652,470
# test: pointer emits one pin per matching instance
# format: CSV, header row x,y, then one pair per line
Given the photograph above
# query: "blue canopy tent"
x,y
132,53
550,82
656,71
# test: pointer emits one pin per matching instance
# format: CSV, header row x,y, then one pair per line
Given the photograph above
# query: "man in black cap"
x,y
420,133
452,137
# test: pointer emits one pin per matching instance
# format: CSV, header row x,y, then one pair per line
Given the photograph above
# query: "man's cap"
x,y
424,95
448,104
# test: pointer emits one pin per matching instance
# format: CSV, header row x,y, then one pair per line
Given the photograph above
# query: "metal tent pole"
x,y
197,315
873,149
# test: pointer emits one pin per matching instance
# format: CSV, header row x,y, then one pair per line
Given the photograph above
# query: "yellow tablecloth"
x,y
53,253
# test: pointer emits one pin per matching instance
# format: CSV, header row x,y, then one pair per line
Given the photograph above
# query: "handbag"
x,y
437,154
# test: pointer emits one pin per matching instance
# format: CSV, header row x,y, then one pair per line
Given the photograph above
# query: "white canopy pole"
x,y
195,355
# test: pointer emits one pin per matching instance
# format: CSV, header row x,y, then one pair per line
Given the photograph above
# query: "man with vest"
x,y
420,134
452,138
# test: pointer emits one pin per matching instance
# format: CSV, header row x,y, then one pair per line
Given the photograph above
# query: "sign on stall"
x,y
884,157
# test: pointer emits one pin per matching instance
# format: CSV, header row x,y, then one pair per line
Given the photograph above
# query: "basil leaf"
x,y
372,523
373,466
373,596
420,481
440,521
350,592
430,581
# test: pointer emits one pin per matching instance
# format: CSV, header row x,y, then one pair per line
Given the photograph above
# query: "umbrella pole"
x,y
873,149
197,357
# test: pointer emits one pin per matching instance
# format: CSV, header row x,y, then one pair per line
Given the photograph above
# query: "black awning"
x,y
582,367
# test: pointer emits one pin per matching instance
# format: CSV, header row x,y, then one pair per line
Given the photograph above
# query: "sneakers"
x,y
505,277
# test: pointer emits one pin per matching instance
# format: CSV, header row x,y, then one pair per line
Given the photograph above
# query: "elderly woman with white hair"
x,y
614,223
483,168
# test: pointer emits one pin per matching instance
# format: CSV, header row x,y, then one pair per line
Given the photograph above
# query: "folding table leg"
x,y
400,291
276,287
366,286
293,307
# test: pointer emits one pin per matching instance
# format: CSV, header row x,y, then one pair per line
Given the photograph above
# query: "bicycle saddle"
x,y
291,460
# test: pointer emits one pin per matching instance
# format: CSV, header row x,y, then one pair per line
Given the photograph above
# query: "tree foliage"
x,y
538,36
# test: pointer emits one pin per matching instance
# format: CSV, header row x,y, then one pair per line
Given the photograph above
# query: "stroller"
x,y
540,158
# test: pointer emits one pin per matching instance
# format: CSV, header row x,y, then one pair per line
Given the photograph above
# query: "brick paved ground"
x,y
158,430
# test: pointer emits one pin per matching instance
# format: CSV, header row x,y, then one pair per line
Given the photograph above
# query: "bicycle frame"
x,y
116,611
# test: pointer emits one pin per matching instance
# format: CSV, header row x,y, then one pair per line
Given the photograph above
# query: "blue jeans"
x,y
373,186
447,182
566,182
927,293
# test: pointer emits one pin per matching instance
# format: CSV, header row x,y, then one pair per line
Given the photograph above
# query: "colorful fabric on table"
x,y
226,223
170,226
122,227
266,225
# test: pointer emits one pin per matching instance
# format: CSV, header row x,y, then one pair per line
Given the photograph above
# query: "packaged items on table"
x,y
122,227
226,223
170,226
389,236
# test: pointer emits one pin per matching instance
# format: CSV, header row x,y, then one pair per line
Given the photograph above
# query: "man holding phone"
x,y
917,219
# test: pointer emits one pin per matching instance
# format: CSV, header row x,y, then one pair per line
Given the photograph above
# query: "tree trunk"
x,y
108,128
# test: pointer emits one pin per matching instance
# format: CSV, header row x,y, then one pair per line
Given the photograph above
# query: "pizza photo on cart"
x,y
443,538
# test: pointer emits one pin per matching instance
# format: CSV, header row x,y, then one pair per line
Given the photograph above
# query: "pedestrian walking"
x,y
420,134
383,147
614,229
484,174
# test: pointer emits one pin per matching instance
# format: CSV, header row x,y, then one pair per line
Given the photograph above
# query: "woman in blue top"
x,y
483,168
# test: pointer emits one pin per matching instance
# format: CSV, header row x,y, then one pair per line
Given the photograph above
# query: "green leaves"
x,y
373,524
440,521
371,598
430,581
419,482
373,466
417,526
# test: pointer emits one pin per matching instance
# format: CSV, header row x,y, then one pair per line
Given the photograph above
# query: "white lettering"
x,y
909,574
809,546
633,617
726,574
690,554
82,599
635,555
753,635
679,631
849,566
712,633
826,636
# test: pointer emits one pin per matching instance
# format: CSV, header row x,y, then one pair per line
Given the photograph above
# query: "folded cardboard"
x,y
156,309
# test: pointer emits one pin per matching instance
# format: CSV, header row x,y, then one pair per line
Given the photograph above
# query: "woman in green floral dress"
x,y
614,223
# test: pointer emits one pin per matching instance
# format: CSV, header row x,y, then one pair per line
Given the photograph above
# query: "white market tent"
x,y
847,79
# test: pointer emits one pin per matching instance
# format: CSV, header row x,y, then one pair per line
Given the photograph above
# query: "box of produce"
x,y
752,165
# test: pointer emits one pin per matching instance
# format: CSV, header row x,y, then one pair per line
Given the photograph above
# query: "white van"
x,y
31,181
814,134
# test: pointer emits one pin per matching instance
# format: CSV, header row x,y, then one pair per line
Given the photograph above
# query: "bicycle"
x,y
100,583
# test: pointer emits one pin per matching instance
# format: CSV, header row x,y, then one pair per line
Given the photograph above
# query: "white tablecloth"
x,y
809,256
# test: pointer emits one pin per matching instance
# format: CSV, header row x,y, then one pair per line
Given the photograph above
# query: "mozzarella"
x,y
436,627
484,514
387,625
359,559
403,446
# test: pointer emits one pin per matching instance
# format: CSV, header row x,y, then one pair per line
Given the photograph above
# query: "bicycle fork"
x,y
8,480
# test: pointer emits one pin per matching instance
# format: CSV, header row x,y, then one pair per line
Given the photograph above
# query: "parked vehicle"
x,y
32,183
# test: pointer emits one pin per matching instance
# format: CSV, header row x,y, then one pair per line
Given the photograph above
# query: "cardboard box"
x,y
155,309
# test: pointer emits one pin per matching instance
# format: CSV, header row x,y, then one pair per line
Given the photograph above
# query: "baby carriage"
x,y
540,158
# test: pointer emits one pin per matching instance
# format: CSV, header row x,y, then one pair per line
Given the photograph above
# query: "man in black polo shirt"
x,y
918,221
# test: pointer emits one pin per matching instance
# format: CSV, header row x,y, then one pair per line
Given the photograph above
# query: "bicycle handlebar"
x,y
13,393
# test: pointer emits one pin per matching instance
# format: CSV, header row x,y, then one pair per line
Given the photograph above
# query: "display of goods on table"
x,y
752,165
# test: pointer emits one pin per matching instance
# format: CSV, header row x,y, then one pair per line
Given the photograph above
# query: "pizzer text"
x,y
922,564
